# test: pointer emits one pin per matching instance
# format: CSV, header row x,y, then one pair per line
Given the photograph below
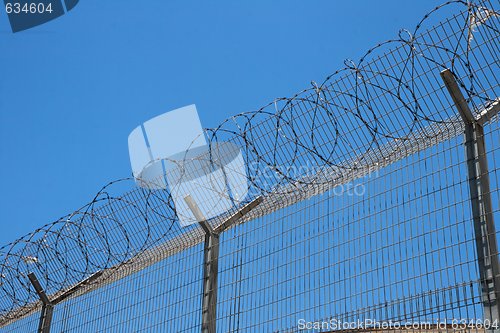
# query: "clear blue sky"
x,y
71,90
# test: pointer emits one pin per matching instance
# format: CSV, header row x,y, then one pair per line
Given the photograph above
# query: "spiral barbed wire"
x,y
343,124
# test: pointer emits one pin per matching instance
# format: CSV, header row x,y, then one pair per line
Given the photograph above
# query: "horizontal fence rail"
x,y
364,208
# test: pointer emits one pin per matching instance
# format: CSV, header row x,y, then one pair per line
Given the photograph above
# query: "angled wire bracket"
x,y
461,104
48,305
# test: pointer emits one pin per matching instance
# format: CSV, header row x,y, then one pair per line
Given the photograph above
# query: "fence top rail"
x,y
380,109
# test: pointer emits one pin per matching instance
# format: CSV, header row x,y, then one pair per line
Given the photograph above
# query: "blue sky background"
x,y
72,90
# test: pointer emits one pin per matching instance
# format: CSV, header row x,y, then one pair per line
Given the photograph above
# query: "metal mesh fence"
x,y
365,215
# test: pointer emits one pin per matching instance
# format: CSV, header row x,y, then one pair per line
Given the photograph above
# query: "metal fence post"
x,y
210,272
211,259
480,196
48,305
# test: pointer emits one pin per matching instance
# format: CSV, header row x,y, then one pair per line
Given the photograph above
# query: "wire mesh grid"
x,y
366,211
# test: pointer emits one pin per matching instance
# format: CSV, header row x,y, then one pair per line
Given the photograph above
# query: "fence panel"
x,y
366,209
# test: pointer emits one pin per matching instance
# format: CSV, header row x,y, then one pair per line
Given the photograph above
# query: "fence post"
x,y
48,305
211,259
480,196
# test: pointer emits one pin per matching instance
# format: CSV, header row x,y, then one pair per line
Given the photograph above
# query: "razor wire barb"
x,y
337,128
